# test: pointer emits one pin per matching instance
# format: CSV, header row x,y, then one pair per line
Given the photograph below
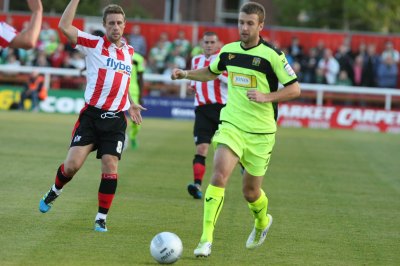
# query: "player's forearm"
x,y
130,98
27,39
285,94
202,74
65,24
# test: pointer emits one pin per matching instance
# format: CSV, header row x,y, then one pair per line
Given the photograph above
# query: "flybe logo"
x,y
119,66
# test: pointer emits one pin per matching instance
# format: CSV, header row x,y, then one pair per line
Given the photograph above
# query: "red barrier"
x,y
363,119
308,38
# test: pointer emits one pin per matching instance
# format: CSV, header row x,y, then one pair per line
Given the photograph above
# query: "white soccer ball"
x,y
166,248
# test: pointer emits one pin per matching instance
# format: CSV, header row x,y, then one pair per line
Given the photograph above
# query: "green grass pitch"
x,y
334,196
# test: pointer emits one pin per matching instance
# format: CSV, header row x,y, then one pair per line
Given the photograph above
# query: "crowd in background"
x,y
363,67
343,66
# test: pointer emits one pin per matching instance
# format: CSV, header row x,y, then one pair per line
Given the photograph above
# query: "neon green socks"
x,y
259,209
213,201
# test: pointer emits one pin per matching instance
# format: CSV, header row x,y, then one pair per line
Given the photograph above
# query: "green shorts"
x,y
254,150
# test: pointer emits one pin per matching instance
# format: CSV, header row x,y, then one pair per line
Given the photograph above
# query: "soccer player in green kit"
x,y
248,121
135,89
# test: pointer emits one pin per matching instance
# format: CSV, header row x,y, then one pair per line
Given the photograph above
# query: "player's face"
x,y
210,45
114,25
249,29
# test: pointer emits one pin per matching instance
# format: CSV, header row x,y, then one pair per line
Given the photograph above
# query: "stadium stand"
x,y
345,46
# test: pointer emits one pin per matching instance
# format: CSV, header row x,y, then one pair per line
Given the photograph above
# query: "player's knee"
x,y
202,149
219,179
71,167
109,164
251,194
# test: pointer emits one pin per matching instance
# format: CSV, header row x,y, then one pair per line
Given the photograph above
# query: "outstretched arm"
x,y
65,24
27,38
201,74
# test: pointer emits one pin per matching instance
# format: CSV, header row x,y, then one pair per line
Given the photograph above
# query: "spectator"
x,y
182,44
76,61
295,49
345,61
309,66
297,69
196,50
47,36
41,60
320,48
389,50
158,56
343,79
34,90
358,71
347,43
387,73
371,63
362,49
51,45
59,57
12,60
176,58
319,76
164,39
330,67
137,40
288,56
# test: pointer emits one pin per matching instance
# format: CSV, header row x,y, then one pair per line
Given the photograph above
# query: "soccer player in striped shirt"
x,y
209,99
248,121
101,124
26,39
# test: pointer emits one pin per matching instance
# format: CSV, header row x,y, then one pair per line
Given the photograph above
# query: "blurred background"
x,y
360,36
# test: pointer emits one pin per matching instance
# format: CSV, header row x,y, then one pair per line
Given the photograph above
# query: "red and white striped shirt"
x,y
108,72
7,34
213,91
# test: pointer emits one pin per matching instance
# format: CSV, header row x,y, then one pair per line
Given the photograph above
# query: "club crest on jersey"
x,y
119,66
231,56
256,61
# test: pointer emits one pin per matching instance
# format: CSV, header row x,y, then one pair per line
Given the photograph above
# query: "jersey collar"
x,y
107,43
260,41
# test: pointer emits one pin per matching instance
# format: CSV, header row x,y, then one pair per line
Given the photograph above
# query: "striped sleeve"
x,y
192,67
7,34
218,66
86,42
224,77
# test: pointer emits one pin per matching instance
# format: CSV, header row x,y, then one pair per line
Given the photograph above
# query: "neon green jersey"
x,y
262,68
137,67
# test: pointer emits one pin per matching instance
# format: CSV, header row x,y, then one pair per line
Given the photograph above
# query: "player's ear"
x,y
261,26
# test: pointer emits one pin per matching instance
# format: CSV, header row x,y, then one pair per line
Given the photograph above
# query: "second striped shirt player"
x,y
210,98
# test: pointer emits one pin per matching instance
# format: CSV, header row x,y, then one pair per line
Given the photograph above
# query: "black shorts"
x,y
206,122
106,130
